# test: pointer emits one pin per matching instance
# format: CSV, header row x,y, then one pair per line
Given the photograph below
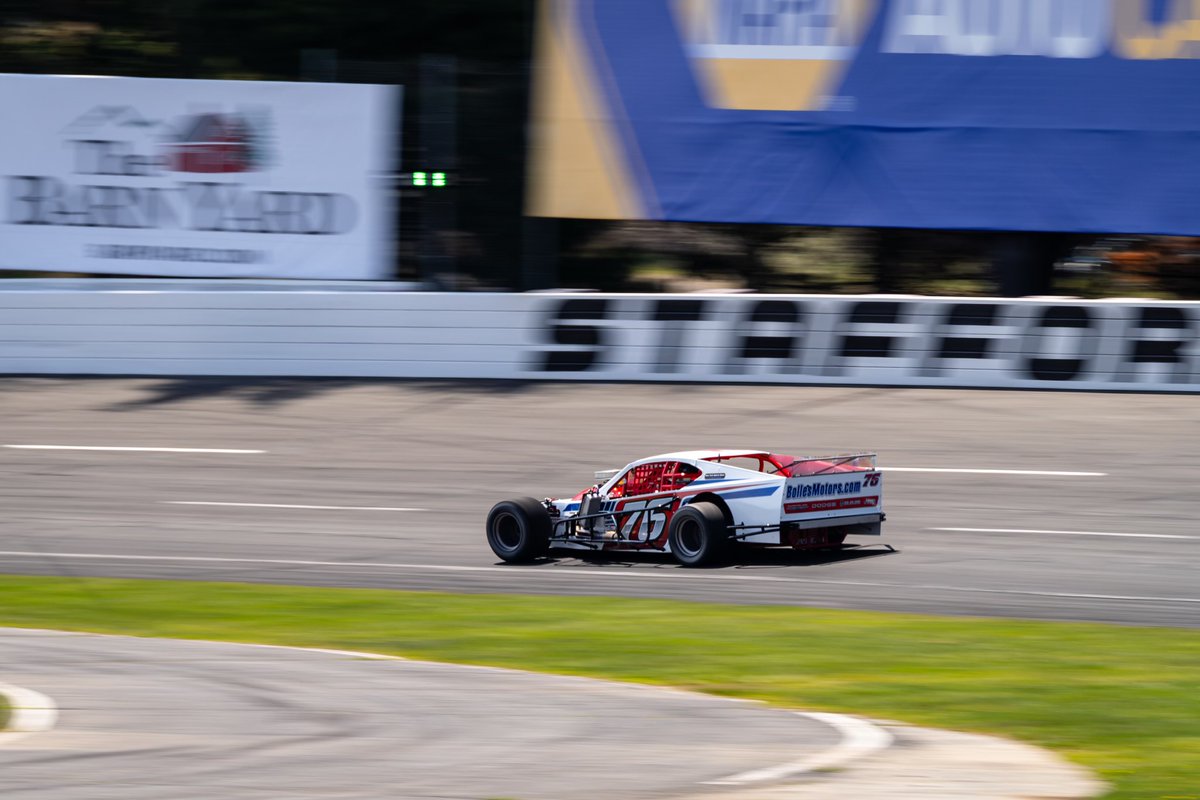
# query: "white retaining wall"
x,y
880,340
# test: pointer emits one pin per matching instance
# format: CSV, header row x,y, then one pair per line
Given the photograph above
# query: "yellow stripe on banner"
x,y
576,164
765,85
696,19
1136,37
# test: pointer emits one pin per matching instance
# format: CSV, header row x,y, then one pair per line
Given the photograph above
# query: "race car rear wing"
x,y
833,491
845,462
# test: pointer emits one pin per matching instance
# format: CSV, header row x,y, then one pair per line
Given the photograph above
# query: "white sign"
x,y
196,178
206,328
891,341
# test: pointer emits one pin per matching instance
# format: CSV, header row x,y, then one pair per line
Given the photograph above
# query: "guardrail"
x,y
322,330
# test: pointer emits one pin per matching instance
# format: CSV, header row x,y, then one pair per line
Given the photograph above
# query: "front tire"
x,y
698,535
519,530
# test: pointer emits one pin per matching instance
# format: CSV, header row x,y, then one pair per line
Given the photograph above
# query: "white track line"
x,y
1067,533
1053,473
128,449
572,574
30,712
286,505
859,739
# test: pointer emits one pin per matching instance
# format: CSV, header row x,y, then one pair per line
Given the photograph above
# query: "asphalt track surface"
x,y
144,719
398,477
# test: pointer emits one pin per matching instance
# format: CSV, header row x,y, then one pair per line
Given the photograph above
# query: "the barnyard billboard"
x,y
196,178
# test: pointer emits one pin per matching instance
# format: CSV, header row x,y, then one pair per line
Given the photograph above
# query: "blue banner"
x,y
1055,115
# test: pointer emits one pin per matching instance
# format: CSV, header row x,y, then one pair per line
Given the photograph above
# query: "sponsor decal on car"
x,y
823,489
831,505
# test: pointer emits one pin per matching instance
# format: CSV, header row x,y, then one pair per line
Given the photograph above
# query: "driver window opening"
x,y
660,476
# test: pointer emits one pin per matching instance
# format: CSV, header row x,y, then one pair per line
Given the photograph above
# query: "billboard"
x,y
197,178
1055,115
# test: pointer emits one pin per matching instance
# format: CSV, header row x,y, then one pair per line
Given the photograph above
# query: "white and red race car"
x,y
697,504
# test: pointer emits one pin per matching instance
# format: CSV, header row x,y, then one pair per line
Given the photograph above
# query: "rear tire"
x,y
699,535
519,530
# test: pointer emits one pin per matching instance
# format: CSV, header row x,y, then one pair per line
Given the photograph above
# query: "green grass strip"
x,y
1124,701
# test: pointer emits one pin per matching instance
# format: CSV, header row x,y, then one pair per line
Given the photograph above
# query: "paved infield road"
x,y
145,719
401,475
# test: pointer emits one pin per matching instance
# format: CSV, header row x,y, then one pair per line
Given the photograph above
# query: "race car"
x,y
697,505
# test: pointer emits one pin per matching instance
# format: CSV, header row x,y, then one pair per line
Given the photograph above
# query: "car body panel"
x,y
799,502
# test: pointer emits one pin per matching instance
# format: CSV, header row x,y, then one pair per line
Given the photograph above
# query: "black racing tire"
x,y
699,535
519,530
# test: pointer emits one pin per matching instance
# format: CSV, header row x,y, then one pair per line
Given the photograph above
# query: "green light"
x,y
420,179
439,179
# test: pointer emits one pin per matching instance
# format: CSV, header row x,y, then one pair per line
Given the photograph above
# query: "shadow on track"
x,y
748,558
273,392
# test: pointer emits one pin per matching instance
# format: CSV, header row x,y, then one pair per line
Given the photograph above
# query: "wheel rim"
x,y
689,538
507,530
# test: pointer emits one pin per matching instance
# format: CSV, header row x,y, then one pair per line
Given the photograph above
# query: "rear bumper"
x,y
860,525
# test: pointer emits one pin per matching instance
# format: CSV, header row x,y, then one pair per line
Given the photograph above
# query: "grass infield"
x,y
1124,701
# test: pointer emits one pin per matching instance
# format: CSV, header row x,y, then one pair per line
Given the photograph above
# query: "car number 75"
x,y
636,511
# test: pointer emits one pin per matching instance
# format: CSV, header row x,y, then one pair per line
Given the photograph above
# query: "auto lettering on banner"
x,y
1142,346
197,178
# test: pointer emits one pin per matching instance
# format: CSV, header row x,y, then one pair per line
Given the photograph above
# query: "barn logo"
x,y
219,143
128,142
